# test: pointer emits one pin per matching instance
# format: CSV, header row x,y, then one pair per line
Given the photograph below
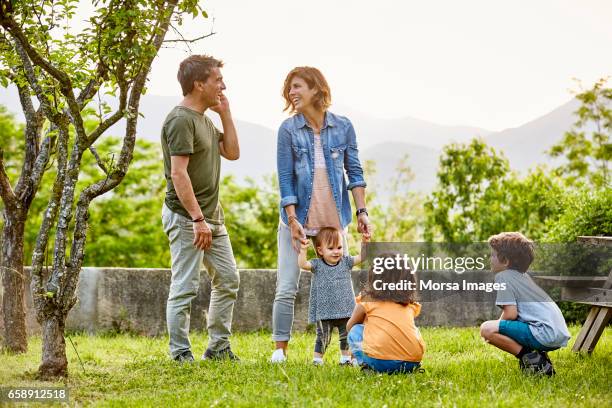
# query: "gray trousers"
x,y
187,261
287,281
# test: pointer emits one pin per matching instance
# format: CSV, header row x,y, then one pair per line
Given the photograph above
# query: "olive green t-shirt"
x,y
189,133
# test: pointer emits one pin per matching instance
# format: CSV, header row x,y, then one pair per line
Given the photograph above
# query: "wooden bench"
x,y
594,291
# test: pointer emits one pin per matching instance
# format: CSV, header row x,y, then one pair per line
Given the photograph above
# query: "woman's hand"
x,y
298,236
363,225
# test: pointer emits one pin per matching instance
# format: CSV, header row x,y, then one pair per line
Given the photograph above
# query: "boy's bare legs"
x,y
489,331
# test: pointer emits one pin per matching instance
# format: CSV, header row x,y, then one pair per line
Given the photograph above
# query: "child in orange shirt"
x,y
382,332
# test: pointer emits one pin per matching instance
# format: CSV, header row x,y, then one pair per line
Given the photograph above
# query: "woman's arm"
x,y
358,316
284,167
357,183
352,163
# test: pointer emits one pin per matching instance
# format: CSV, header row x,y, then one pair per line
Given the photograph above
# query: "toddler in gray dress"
x,y
332,298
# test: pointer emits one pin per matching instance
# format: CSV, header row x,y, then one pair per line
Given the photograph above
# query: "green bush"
x,y
584,212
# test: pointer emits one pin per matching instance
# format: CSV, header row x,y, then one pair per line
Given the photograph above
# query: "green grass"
x,y
461,370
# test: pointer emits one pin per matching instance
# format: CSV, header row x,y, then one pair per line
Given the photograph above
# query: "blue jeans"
x,y
520,332
355,340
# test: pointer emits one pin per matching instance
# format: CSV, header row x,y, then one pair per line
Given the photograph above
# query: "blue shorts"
x,y
520,332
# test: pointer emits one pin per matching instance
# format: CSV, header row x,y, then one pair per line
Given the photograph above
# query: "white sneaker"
x,y
345,360
278,356
318,361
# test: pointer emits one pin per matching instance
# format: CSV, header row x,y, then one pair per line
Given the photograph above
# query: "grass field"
x,y
460,370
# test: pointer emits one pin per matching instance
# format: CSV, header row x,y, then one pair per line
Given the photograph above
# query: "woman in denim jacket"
x,y
315,149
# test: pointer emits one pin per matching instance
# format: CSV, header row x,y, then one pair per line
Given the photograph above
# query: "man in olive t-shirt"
x,y
192,216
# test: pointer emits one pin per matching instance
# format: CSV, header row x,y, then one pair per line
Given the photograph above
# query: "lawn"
x,y
460,370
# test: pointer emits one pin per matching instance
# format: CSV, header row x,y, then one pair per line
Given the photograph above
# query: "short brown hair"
x,y
394,275
513,247
327,236
315,79
196,68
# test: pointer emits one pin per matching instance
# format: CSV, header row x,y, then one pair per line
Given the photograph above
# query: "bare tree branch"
x,y
188,41
49,218
44,154
6,191
98,160
115,117
34,120
33,81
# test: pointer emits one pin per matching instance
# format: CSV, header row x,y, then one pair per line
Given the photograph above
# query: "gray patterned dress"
x,y
331,290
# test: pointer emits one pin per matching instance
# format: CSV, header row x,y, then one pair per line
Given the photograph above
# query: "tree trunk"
x,y
14,282
54,362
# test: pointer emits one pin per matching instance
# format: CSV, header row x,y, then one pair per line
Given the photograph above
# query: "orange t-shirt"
x,y
390,332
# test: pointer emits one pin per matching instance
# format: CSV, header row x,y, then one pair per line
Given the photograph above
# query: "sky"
x,y
491,64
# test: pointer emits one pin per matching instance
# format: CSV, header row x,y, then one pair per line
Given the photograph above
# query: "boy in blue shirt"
x,y
531,323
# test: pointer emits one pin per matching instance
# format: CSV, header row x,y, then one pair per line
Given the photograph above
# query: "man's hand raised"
x,y
223,106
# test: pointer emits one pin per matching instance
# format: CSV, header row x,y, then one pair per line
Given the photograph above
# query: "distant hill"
x,y
372,131
525,146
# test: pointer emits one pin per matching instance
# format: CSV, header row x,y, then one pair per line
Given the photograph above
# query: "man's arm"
x,y
229,146
184,191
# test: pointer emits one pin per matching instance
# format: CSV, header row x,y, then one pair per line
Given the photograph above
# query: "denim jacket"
x,y
295,164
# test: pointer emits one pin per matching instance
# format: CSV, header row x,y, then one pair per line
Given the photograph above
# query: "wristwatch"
x,y
362,210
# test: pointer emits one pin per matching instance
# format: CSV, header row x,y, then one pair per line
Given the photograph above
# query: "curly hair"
x,y
513,247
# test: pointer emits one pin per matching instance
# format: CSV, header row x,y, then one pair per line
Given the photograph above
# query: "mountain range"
x,y
384,141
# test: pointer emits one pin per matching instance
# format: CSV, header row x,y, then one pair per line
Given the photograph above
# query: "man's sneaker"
x,y
225,354
278,356
185,357
537,363
548,368
530,362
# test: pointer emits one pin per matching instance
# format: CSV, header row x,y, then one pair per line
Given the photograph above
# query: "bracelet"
x,y
290,219
198,219
362,210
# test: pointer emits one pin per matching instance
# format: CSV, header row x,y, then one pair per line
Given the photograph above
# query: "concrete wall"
x,y
135,300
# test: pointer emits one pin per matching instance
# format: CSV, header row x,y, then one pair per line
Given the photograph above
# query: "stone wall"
x,y
135,300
